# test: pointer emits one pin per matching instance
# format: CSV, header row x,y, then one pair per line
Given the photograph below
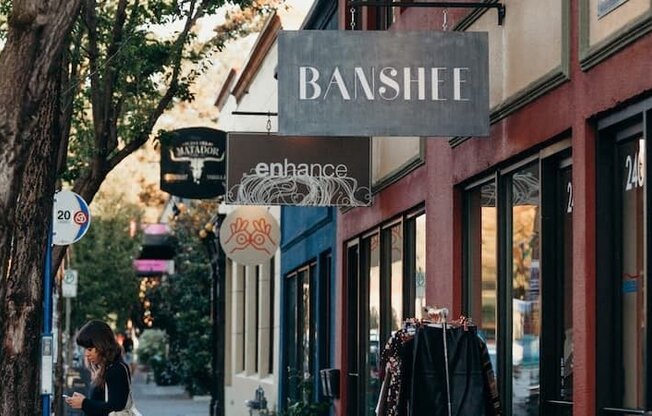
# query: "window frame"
x,y
611,130
357,307
546,159
294,306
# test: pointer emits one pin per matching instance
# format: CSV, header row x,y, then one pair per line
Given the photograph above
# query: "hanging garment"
x,y
447,378
396,361
492,399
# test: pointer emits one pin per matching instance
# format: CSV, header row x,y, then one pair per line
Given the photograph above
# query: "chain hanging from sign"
x,y
500,8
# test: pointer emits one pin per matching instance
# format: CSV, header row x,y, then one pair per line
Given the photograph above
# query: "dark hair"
x,y
99,335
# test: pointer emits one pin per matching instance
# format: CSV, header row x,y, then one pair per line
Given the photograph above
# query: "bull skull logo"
x,y
196,163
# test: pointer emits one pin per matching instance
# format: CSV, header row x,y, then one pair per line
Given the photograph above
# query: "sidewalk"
x,y
165,400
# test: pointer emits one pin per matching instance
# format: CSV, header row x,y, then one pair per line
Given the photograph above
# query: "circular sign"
x,y
69,276
250,235
70,218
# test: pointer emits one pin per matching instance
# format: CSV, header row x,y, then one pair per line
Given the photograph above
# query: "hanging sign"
x,y
383,83
193,162
250,235
69,283
153,267
312,171
70,218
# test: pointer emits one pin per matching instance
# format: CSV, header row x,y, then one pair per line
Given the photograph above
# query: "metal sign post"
x,y
47,347
70,221
68,291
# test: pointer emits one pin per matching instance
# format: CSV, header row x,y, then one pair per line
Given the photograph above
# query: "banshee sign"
x,y
263,169
193,162
383,83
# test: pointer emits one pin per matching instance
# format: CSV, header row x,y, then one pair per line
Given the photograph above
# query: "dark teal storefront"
x,y
308,290
308,297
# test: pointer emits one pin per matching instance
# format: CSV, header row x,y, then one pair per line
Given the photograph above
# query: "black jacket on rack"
x,y
434,389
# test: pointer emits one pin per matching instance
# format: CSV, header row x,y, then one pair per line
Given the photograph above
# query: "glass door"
x,y
518,280
631,297
557,317
623,296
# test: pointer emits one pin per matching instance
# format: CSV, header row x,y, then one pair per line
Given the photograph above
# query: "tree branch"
x,y
193,15
70,81
90,20
111,71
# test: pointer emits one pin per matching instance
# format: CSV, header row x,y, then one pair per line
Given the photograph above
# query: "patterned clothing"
x,y
395,366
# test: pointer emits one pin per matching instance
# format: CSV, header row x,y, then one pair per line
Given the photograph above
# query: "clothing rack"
x,y
435,324
441,315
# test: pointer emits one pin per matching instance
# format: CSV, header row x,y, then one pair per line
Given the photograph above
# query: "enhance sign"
x,y
375,83
313,171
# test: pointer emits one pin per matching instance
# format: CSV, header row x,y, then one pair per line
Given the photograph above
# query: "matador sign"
x,y
193,162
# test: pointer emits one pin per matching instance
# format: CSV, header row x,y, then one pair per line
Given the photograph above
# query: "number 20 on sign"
x,y
70,218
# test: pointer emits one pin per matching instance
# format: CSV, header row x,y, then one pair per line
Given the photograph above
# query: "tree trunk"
x,y
23,308
37,29
30,211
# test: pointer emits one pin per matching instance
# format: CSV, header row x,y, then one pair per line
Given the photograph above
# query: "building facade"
x,y
270,306
537,232
252,304
308,292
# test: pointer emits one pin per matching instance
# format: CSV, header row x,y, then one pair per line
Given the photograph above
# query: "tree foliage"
x,y
181,303
108,286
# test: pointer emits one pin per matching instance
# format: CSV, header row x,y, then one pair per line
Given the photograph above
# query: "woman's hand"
x,y
76,400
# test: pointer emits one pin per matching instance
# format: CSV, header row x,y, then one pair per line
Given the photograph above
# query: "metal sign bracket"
x,y
441,4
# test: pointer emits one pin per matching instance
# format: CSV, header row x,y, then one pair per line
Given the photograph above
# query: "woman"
x,y
103,356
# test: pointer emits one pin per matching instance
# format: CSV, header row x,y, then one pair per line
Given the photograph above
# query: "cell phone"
x,y
65,396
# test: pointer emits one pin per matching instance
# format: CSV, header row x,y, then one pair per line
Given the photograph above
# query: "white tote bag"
x,y
130,407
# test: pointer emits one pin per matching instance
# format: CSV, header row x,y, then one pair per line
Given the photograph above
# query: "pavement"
x,y
153,400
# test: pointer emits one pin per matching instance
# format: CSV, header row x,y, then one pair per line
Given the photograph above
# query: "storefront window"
x,y
483,272
373,361
420,266
299,337
505,238
387,286
307,343
622,293
565,347
526,296
631,156
396,277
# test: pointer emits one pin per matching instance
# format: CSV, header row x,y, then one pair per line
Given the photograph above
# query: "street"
x,y
165,400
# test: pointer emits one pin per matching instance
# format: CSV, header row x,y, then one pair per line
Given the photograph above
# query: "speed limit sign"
x,y
70,218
